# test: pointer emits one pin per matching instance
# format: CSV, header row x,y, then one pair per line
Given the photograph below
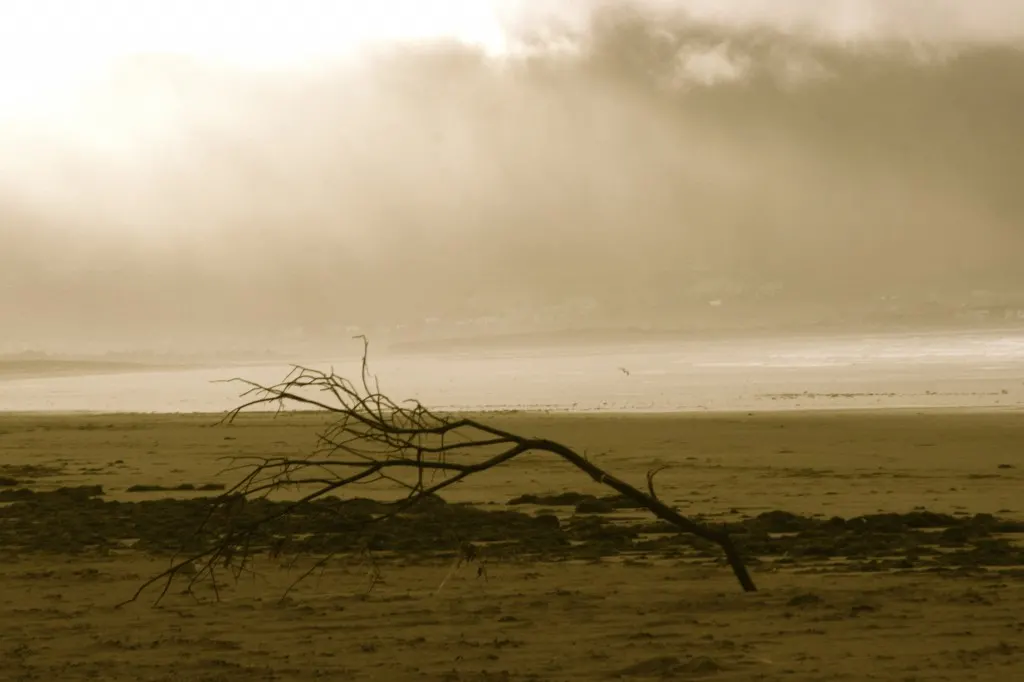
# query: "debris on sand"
x,y
181,487
81,518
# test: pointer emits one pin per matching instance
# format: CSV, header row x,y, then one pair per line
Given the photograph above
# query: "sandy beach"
x,y
728,295
904,595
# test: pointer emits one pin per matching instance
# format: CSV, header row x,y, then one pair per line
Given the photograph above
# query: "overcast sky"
x,y
292,163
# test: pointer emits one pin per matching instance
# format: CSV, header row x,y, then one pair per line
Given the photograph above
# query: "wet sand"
x,y
629,609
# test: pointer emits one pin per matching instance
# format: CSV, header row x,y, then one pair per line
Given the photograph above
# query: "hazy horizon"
x,y
643,163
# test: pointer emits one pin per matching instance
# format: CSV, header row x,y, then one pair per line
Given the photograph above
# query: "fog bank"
x,y
635,167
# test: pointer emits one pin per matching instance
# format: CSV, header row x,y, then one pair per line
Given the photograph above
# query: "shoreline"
x,y
982,372
796,411
590,340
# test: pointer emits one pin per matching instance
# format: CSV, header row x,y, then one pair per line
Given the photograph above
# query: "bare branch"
x,y
371,437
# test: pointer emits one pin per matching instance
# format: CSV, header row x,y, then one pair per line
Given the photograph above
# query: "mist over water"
x,y
639,167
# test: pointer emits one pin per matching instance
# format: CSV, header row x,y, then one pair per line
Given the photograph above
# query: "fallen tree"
x,y
369,438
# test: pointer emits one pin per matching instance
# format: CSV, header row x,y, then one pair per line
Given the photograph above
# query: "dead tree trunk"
x,y
372,438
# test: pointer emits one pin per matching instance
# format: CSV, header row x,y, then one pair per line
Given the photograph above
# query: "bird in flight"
x,y
624,371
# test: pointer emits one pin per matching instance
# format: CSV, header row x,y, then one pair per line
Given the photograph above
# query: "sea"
x,y
976,370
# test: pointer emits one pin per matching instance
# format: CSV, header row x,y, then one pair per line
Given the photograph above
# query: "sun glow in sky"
x,y
56,53
113,104
114,85
53,50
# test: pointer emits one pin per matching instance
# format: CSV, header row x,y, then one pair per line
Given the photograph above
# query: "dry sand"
x,y
596,611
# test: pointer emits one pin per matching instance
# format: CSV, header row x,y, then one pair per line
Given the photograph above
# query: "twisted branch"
x,y
373,438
